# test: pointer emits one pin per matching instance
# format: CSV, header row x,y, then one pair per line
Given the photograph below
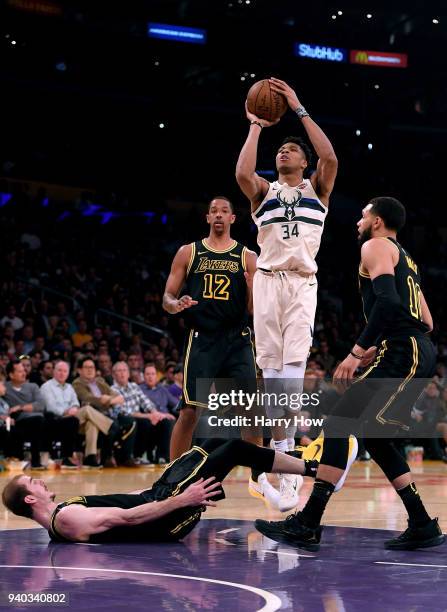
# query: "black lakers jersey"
x,y
216,280
176,477
408,320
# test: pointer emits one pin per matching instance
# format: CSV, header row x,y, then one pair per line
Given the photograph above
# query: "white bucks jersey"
x,y
290,223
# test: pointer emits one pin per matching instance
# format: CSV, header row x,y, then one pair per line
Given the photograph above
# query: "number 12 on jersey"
x,y
289,231
216,286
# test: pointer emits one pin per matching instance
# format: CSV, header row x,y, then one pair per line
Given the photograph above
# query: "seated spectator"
x,y
168,378
82,336
136,376
94,391
324,357
105,368
153,428
26,409
28,339
160,396
39,345
44,373
176,389
12,319
67,418
134,361
26,362
426,414
8,342
35,358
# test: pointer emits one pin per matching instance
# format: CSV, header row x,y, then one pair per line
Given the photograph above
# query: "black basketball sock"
x,y
313,511
413,504
255,475
310,467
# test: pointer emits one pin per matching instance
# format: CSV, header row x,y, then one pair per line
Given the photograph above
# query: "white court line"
x,y
228,530
409,564
223,541
289,554
272,602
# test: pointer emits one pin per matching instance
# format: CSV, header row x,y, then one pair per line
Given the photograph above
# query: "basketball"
x,y
265,103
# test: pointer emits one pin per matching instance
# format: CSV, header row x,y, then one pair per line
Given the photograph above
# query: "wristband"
x,y
359,357
256,123
302,112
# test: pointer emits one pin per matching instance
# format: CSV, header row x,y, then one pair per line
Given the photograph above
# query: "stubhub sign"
x,y
328,54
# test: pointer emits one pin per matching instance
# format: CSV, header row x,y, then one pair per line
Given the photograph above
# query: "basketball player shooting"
x,y
290,215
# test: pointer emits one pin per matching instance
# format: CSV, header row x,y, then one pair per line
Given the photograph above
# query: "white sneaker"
x,y
352,455
263,490
289,486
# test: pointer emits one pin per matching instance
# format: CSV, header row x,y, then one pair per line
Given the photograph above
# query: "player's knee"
x,y
188,416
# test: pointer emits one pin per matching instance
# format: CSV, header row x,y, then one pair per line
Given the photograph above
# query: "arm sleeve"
x,y
384,310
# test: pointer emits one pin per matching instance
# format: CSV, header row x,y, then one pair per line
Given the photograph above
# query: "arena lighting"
x,y
339,12
320,52
4,198
370,146
177,33
106,217
436,21
358,132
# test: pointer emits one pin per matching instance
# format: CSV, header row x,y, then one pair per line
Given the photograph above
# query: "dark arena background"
x,y
119,123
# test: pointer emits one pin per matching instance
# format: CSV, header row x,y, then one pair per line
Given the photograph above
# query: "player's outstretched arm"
x,y
251,184
324,178
176,280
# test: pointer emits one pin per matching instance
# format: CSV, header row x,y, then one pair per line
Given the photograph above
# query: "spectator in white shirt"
x,y
12,318
67,417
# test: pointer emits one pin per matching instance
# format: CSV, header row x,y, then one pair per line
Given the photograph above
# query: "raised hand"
x,y
281,87
253,117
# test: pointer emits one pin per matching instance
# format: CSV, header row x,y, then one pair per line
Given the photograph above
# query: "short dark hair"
x,y
302,144
391,211
221,197
13,497
10,366
42,364
149,364
82,360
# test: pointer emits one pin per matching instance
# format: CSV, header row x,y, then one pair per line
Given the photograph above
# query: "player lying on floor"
x,y
166,512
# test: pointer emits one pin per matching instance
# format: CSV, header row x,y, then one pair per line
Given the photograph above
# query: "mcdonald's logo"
x,y
361,57
378,58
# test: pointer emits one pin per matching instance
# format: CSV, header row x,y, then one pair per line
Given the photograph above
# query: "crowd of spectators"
x,y
89,358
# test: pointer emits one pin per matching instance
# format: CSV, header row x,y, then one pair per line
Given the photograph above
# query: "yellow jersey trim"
x,y
215,250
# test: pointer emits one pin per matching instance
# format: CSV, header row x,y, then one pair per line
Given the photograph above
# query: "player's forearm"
x,y
170,303
319,140
152,510
246,164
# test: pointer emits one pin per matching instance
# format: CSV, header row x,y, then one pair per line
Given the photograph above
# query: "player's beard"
x,y
365,236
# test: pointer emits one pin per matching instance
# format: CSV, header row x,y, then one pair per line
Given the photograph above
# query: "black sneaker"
x,y
418,537
67,464
91,462
291,531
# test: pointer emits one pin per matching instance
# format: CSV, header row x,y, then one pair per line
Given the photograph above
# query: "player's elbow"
x,y
331,159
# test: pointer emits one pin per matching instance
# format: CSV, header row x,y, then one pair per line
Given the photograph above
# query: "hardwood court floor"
x,y
366,500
